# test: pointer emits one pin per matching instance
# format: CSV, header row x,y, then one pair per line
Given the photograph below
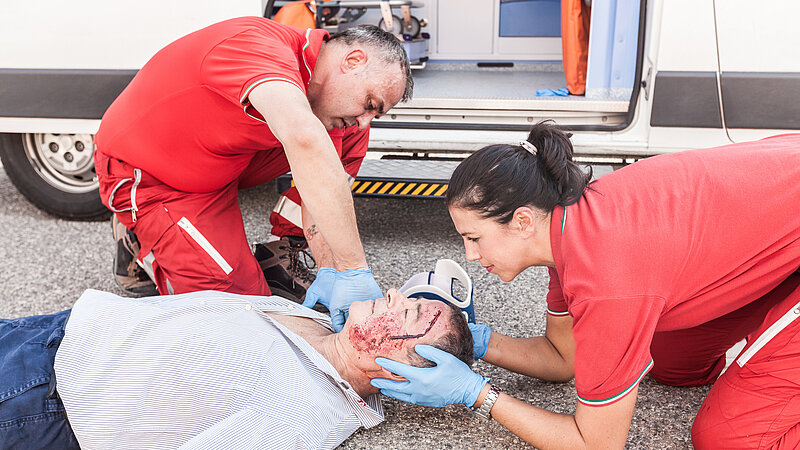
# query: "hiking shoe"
x,y
286,264
131,278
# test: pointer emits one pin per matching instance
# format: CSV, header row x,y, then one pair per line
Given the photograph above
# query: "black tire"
x,y
60,191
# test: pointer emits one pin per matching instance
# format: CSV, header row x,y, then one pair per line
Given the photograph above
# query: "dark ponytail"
x,y
498,179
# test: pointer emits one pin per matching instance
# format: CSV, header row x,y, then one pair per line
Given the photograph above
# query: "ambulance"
x,y
660,76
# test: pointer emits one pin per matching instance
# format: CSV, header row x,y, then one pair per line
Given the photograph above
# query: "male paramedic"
x,y
207,370
232,106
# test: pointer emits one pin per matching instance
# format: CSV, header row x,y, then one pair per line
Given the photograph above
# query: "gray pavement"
x,y
46,263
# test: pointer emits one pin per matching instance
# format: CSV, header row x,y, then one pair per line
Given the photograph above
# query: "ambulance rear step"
x,y
409,178
397,178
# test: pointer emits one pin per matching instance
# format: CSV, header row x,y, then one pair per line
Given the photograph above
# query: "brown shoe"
x,y
287,265
131,278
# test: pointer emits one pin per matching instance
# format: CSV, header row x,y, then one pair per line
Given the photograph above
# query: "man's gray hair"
x,y
457,341
390,49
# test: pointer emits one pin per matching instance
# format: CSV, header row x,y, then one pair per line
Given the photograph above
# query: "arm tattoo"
x,y
311,232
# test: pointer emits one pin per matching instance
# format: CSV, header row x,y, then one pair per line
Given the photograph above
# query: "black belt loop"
x,y
52,392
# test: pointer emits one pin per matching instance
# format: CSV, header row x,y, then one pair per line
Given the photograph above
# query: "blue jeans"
x,y
31,413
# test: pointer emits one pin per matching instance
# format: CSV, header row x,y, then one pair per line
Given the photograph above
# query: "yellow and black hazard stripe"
x,y
398,188
389,188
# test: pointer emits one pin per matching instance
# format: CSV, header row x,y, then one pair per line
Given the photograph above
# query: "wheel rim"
x,y
65,161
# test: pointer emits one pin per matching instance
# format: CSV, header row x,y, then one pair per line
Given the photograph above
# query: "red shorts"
x,y
196,241
752,405
191,241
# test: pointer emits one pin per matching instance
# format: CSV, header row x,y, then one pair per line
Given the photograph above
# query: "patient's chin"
x,y
369,390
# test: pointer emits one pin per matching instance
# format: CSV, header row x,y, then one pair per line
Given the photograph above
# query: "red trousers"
x,y
193,241
755,404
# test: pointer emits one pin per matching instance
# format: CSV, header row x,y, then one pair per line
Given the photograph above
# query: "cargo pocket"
x,y
180,257
786,323
201,241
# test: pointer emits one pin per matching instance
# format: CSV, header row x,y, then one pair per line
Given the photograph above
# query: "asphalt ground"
x,y
46,263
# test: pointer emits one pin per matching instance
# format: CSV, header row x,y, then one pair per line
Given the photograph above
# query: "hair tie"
x,y
530,148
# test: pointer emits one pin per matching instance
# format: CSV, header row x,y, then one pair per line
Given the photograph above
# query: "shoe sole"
x,y
128,292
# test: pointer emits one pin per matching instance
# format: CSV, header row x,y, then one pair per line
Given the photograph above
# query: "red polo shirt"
x,y
186,119
670,243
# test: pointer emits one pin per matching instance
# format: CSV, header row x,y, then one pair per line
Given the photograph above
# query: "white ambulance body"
x,y
663,76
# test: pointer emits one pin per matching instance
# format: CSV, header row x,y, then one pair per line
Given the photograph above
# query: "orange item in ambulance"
x,y
298,14
575,43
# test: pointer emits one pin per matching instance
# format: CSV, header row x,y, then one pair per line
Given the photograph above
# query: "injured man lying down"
x,y
207,370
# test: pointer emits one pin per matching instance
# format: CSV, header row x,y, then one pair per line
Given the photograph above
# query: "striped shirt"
x,y
201,370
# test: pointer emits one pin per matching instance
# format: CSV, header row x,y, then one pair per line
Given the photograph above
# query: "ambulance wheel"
x,y
55,172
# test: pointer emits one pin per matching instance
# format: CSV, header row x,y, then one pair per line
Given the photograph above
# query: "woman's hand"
x,y
450,381
480,339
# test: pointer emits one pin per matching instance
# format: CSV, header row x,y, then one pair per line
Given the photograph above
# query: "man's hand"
x,y
350,286
320,289
450,381
480,339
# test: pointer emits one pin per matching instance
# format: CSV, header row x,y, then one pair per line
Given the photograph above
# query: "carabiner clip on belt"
x,y
137,177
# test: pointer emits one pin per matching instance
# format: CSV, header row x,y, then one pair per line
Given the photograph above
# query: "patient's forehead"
x,y
427,310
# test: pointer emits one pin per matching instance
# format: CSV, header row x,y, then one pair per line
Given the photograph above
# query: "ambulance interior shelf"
x,y
328,14
406,27
334,14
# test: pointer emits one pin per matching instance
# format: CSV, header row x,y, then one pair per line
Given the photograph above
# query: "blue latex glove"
x,y
480,339
350,286
320,289
451,381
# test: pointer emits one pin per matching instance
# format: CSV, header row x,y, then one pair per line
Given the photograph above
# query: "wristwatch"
x,y
485,410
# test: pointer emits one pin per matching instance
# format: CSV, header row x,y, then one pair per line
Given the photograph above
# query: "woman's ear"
x,y
523,220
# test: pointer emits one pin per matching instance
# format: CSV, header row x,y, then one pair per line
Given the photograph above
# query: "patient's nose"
x,y
394,297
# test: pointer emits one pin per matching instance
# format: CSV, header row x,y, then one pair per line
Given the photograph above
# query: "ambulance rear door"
x,y
759,59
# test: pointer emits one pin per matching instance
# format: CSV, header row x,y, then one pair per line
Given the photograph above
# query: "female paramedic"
x,y
657,268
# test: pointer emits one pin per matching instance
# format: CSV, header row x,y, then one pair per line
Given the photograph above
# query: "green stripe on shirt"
x,y
614,398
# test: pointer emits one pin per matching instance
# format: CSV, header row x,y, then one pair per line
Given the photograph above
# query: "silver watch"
x,y
485,410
